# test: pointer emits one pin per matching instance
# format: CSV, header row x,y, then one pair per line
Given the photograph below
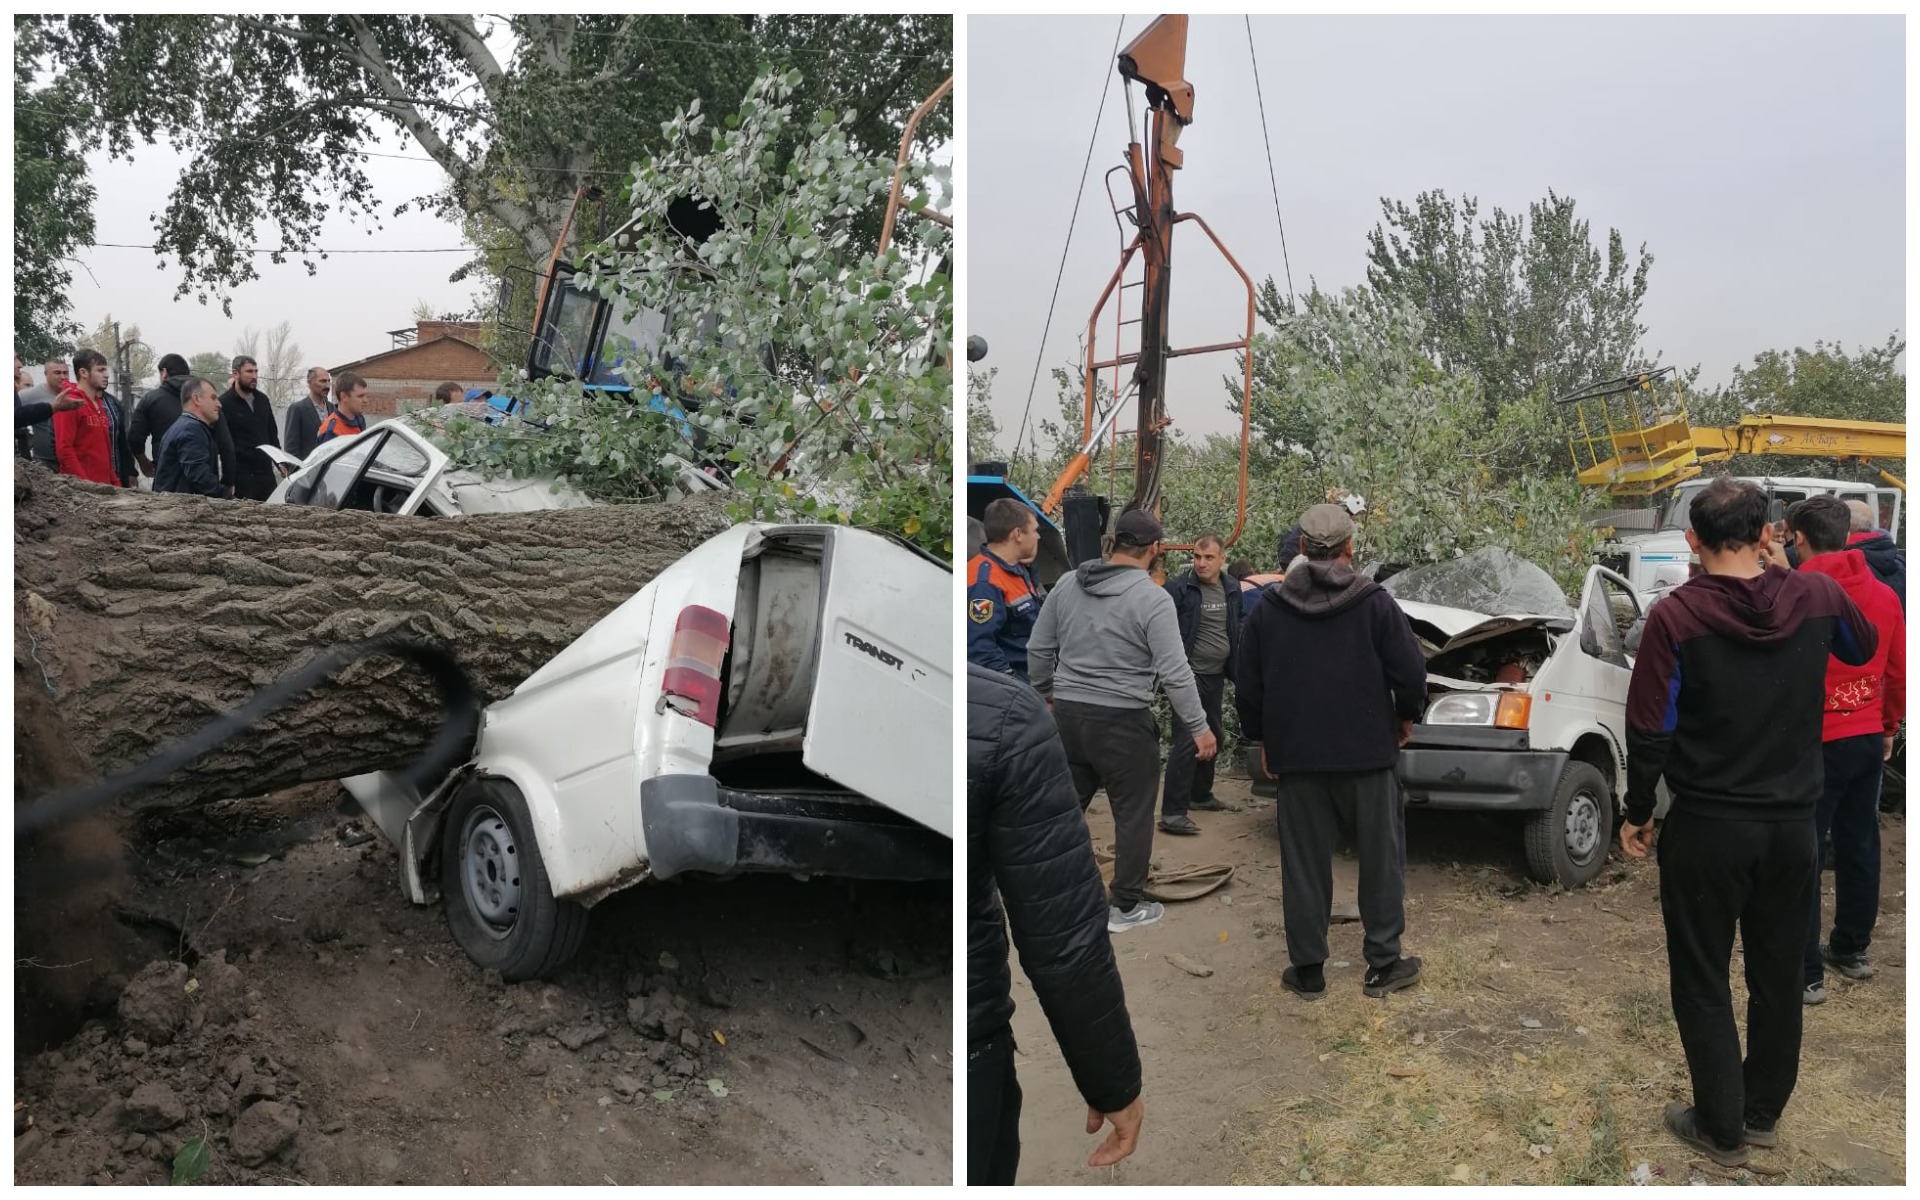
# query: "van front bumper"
x,y
1480,770
693,824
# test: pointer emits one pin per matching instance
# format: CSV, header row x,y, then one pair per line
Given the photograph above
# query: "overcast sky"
x,y
1762,160
340,314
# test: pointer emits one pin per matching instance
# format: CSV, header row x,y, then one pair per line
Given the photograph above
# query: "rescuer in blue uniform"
x,y
1002,599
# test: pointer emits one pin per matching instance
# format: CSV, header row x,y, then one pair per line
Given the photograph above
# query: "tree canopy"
x,y
274,114
1528,304
818,368
52,200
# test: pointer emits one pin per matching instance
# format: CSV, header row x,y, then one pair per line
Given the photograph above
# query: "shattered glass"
x,y
1491,580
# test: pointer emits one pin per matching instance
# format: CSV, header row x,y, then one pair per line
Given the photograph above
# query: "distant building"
x,y
421,359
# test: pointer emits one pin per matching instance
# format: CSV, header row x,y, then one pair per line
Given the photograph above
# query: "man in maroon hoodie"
x,y
1725,703
1864,706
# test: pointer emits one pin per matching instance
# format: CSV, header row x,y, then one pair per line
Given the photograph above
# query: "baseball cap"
x,y
1326,526
1137,528
478,393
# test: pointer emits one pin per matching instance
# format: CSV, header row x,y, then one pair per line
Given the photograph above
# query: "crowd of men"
x,y
1767,694
185,435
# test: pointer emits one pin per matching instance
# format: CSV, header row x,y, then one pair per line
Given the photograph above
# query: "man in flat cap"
x,y
1330,679
1106,636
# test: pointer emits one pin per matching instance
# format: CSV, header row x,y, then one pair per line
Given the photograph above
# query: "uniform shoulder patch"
x,y
980,610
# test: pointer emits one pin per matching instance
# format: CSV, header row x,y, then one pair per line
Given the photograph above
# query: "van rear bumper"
x,y
692,823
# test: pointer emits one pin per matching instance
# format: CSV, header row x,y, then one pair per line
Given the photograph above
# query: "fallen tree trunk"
x,y
142,616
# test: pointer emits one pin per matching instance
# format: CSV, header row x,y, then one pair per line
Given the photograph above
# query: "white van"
x,y
779,700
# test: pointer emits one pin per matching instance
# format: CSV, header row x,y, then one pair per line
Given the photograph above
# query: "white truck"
x,y
779,700
1654,556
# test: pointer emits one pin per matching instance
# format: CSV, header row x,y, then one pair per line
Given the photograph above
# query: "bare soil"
x,y
262,984
1539,1047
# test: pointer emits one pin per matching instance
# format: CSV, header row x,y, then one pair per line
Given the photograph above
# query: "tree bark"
x,y
143,616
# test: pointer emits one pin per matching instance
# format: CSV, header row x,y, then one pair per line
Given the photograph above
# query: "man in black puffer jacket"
x,y
1027,847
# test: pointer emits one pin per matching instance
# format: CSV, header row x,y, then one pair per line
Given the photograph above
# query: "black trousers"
x,y
1850,809
993,1111
1189,779
1117,749
1758,876
1309,811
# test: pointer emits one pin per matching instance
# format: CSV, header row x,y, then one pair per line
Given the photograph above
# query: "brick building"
x,y
421,359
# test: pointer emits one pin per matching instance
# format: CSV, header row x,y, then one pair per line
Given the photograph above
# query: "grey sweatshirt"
x,y
1106,635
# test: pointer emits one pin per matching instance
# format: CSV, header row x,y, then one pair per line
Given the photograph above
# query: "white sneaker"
x,y
1144,913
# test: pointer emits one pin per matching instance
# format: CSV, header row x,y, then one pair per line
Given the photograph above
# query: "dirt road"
x,y
1539,1048
311,1025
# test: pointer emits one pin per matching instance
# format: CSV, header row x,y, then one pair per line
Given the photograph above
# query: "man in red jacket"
x,y
1864,705
84,436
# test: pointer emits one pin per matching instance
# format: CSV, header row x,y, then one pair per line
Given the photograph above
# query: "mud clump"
x,y
155,1005
154,1107
264,1130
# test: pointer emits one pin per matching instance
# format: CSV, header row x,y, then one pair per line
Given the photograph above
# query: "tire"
x,y
500,906
1567,844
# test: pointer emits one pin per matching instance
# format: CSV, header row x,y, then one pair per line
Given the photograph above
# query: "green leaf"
x,y
716,1087
191,1162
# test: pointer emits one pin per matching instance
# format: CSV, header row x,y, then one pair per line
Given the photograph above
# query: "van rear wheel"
x,y
1567,843
500,907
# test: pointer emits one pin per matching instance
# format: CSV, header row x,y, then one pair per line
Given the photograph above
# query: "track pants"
x,y
993,1110
1850,808
1189,779
1759,876
1117,749
1309,811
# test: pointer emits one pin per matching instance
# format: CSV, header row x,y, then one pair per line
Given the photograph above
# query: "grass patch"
x,y
1449,1083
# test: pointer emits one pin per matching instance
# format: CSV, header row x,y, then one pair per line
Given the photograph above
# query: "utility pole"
x,y
122,365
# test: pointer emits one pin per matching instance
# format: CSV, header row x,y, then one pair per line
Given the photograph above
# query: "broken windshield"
x,y
1491,580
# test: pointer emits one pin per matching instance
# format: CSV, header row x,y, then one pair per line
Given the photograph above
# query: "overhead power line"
x,y
295,251
1272,180
1039,355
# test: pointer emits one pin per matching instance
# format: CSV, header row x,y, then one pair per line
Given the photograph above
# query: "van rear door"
x,y
881,719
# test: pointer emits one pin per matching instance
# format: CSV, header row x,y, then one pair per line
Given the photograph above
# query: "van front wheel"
x,y
500,907
1567,843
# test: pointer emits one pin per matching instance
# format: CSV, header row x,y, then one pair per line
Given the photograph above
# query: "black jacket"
x,y
189,461
1728,692
1027,846
1289,546
1887,561
303,427
153,416
1328,666
1185,590
251,426
123,464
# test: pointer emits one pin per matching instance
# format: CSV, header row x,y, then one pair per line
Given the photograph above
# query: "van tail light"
x,y
1513,710
692,683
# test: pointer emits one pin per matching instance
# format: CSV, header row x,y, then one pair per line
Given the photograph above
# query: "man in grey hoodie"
x,y
1106,636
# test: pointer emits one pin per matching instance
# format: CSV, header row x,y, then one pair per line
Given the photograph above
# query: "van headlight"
x,y
1500,710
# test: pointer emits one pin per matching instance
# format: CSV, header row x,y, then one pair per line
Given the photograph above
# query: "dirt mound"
x,y
759,1031
123,1098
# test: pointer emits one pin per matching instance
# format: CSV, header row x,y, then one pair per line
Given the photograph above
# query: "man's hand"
x,y
1886,755
66,402
1121,1139
1205,746
1636,840
1406,732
